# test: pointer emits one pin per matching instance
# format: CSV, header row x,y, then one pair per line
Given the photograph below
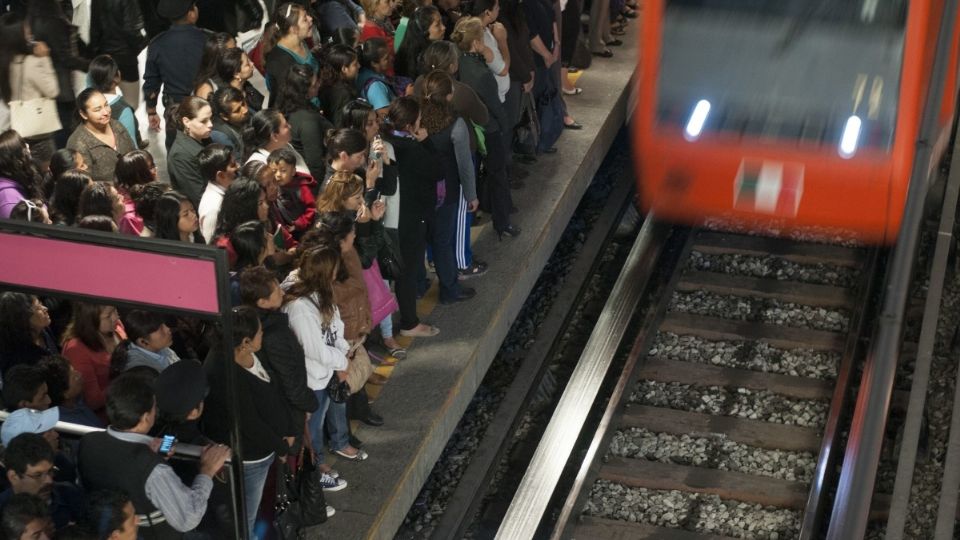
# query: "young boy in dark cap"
x,y
173,58
180,390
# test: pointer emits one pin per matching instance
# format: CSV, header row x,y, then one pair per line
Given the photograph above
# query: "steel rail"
x,y
540,480
921,371
854,493
830,448
472,486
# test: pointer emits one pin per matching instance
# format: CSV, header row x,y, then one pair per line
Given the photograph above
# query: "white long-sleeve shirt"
x,y
324,347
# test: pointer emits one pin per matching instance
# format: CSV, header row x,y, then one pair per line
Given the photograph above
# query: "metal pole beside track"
x,y
854,492
538,483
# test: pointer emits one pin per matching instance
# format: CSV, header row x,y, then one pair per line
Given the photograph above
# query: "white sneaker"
x,y
330,511
330,483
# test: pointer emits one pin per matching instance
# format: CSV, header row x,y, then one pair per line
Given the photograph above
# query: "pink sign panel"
x,y
110,272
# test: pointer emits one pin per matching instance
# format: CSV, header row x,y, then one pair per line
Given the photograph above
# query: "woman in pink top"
x,y
134,170
94,332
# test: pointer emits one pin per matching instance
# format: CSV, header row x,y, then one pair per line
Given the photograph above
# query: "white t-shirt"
x,y
209,209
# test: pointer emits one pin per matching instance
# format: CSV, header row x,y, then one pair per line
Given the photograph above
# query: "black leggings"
x,y
413,245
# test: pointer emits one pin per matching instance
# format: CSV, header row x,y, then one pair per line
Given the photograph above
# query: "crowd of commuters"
x,y
386,130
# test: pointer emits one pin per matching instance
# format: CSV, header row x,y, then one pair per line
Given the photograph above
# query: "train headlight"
x,y
697,120
851,135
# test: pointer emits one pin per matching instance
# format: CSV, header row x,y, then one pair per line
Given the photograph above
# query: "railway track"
x,y
732,415
724,420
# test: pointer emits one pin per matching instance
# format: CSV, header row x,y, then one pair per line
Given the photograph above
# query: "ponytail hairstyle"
x,y
436,112
467,31
355,114
346,35
263,125
286,16
332,61
318,268
189,107
439,55
31,210
62,161
346,140
134,170
229,64
372,51
341,186
104,73
415,42
213,47
403,113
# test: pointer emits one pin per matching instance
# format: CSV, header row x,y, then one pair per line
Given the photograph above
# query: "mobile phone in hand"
x,y
167,444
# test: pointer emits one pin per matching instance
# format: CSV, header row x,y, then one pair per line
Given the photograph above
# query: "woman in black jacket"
x,y
468,36
308,126
50,25
281,352
266,427
419,173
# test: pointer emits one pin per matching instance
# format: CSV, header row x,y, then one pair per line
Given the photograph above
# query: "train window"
x,y
783,69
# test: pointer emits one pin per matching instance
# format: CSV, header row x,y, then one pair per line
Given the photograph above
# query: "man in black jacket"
x,y
116,28
281,352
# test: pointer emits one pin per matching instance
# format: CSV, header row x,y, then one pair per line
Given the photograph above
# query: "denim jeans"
x,y
335,415
386,325
254,478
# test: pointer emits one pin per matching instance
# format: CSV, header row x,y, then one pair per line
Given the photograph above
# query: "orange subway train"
x,y
802,112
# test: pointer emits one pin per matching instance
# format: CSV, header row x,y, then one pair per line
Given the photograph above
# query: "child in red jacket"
x,y
296,204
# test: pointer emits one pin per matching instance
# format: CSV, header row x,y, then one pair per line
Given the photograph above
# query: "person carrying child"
x,y
296,204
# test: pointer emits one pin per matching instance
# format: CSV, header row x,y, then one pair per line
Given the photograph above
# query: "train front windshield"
x,y
802,70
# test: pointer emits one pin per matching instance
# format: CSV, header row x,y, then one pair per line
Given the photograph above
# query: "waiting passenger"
x,y
65,387
134,170
19,177
101,199
176,219
65,202
93,334
219,168
147,346
25,335
99,138
25,387
26,517
194,124
30,470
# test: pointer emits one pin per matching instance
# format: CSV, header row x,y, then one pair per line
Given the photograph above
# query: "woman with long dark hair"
x,y
205,83
93,334
338,72
230,117
176,219
100,199
425,27
19,177
27,72
65,201
307,123
24,330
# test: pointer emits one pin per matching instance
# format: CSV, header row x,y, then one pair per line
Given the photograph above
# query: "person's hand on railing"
x,y
212,459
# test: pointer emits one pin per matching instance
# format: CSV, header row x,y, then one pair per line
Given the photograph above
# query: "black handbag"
x,y
526,136
391,264
338,390
300,502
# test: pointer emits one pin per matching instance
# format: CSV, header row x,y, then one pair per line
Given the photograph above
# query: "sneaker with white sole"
x,y
330,511
330,483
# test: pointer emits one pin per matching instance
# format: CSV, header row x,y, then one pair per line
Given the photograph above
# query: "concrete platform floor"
x,y
428,392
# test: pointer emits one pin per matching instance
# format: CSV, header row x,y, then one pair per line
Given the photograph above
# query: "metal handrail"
x,y
854,493
540,480
180,450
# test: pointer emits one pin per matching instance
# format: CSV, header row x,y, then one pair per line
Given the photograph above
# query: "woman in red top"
x,y
94,332
377,24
